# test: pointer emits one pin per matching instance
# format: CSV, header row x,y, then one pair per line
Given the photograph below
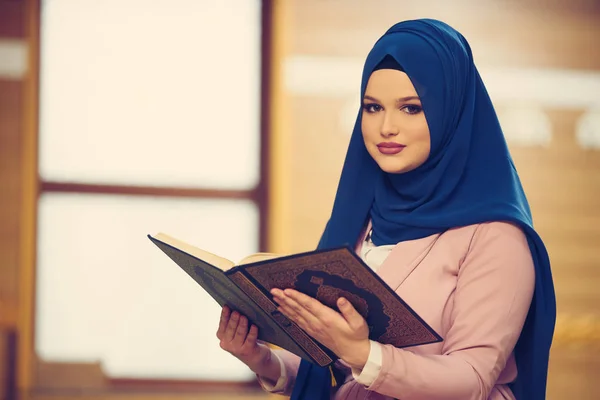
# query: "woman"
x,y
431,197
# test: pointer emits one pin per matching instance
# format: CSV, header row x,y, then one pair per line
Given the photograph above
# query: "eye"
x,y
411,109
372,107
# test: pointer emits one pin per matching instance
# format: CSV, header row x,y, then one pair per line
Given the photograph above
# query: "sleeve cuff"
x,y
280,384
370,371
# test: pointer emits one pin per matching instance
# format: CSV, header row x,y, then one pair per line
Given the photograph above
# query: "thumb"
x,y
354,319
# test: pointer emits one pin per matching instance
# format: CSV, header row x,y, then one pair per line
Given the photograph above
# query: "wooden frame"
x,y
36,376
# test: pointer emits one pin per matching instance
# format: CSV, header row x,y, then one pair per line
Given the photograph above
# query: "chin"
x,y
394,169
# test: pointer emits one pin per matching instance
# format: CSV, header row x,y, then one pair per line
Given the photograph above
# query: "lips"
x,y
390,148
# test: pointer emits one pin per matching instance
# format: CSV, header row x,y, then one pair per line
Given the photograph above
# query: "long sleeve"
x,y
493,293
289,364
367,375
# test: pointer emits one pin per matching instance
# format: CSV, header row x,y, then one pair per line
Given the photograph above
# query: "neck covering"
x,y
468,178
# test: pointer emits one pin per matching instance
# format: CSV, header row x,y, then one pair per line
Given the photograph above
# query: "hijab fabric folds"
x,y
469,178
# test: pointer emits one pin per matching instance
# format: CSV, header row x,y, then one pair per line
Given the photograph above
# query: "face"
x,y
394,127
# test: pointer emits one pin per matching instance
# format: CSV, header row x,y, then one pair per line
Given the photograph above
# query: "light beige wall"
x,y
561,180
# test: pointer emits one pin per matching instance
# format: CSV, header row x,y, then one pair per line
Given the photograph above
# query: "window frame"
x,y
36,375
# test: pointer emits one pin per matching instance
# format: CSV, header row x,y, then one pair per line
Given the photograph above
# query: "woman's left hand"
x,y
345,333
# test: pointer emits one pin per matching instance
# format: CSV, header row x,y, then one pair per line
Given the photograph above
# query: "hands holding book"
x,y
345,333
242,342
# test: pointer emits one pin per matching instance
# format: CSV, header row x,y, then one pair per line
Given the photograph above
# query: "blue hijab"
x,y
469,178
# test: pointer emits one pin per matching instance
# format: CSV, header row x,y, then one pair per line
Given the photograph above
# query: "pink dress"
x,y
474,286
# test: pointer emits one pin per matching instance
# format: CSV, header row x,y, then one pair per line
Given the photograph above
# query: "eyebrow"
x,y
400,100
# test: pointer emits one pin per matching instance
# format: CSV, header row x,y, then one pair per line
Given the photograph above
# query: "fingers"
x,y
241,342
241,331
296,316
232,325
354,319
251,338
304,302
312,316
225,313
305,311
233,329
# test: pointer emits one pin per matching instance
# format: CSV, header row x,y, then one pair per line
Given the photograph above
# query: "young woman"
x,y
431,197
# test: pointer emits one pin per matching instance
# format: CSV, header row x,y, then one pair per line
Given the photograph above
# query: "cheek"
x,y
419,140
369,127
420,132
425,139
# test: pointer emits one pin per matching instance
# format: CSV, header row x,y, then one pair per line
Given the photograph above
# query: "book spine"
x,y
300,337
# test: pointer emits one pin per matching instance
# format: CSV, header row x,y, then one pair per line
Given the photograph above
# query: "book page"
x,y
252,258
222,263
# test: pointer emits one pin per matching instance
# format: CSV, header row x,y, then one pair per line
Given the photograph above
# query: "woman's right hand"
x,y
243,343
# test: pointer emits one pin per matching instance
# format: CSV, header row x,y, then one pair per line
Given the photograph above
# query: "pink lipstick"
x,y
390,148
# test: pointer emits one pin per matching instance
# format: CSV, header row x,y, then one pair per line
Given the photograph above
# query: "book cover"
x,y
330,274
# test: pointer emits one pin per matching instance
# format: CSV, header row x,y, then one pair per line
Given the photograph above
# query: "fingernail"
x,y
343,301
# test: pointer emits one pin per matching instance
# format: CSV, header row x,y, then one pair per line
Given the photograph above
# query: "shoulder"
x,y
494,231
498,233
495,240
500,245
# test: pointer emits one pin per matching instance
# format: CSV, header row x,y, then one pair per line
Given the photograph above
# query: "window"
x,y
150,120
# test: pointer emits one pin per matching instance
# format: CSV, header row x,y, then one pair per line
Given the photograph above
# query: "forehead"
x,y
390,82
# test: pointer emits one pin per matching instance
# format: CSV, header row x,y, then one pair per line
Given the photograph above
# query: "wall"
x,y
530,51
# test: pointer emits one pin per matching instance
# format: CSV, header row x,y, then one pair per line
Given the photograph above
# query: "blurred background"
x,y
225,124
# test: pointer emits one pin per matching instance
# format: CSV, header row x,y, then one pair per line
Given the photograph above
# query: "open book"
x,y
323,274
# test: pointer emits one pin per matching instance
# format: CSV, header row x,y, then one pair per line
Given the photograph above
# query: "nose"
x,y
389,127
